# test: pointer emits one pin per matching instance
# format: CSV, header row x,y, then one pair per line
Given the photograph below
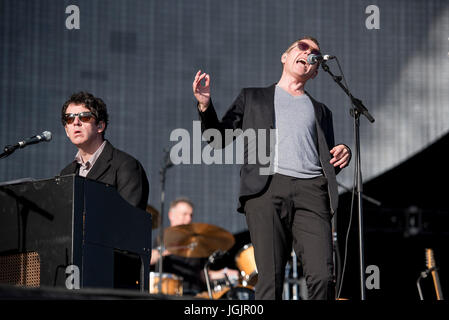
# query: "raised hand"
x,y
202,92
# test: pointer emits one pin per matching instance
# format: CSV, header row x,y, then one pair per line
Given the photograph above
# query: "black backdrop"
x,y
413,216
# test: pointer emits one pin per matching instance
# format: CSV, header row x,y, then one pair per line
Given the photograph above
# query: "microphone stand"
x,y
167,164
8,150
357,109
364,196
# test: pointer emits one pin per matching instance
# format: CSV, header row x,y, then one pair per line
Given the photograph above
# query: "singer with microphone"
x,y
85,119
293,206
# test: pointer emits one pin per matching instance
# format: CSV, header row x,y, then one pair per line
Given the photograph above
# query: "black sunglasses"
x,y
303,46
69,118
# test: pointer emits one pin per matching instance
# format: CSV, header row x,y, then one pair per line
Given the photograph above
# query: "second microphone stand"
x,y
357,109
167,164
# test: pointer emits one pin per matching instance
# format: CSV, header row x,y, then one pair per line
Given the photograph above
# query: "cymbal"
x,y
154,216
197,240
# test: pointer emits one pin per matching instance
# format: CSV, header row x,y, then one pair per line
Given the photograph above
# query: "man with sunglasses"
x,y
294,204
85,119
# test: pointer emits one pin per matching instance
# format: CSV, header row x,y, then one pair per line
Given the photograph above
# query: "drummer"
x,y
191,269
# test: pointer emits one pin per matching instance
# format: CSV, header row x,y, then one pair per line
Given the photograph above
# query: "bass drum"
x,y
246,263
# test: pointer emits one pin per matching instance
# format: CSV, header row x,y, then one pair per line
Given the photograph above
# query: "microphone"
x,y
314,58
44,136
167,161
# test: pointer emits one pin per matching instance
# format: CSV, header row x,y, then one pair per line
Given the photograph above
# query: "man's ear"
x,y
284,58
100,126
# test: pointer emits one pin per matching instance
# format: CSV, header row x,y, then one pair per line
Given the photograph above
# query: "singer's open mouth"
x,y
301,61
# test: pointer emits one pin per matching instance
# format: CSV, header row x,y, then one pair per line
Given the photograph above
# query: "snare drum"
x,y
246,263
171,284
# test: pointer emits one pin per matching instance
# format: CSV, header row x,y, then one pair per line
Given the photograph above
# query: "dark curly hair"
x,y
89,101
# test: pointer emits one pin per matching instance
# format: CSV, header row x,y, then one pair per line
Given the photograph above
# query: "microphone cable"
x,y
351,212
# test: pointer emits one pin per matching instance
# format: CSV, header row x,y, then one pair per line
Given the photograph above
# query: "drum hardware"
x,y
433,270
198,240
294,286
237,292
169,285
160,221
219,284
211,260
225,288
240,293
246,263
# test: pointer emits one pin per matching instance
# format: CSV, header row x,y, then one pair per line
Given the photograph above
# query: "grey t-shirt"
x,y
296,152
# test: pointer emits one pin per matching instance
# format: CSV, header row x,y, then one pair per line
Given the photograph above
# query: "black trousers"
x,y
296,212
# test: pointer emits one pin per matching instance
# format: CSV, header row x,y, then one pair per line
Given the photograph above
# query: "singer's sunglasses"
x,y
303,46
69,118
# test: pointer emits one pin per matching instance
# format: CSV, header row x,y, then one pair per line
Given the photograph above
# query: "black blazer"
x,y
254,108
118,169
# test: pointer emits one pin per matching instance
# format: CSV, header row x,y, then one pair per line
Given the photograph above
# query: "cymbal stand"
x,y
206,275
211,260
291,282
295,287
166,165
286,293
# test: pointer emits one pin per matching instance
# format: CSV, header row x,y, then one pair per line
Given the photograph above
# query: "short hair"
x,y
89,101
295,43
175,202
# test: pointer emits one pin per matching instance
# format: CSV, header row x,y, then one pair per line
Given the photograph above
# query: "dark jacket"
x,y
254,109
120,170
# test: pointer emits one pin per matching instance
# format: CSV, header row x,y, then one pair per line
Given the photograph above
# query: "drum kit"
x,y
201,240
